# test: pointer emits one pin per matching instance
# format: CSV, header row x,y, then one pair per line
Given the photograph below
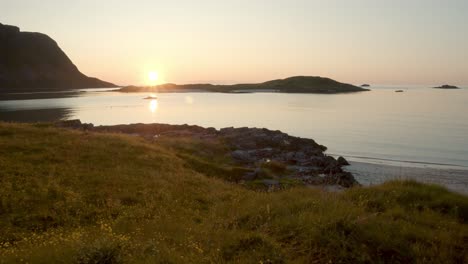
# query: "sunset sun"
x,y
153,76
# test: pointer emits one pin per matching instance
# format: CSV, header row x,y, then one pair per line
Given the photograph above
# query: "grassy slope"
x,y
70,196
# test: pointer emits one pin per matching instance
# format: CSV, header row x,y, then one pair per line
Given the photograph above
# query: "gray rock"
x,y
211,130
342,161
313,180
250,176
242,156
333,168
344,179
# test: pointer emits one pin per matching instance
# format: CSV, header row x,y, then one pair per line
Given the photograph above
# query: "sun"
x,y
153,76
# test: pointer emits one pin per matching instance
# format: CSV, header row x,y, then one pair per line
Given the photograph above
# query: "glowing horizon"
x,y
226,42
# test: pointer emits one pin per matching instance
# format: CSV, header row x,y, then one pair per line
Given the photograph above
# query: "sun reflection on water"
x,y
153,106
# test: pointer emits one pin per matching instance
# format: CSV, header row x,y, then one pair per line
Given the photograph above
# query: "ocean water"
x,y
419,127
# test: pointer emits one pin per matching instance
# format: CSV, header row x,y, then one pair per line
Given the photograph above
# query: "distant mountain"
x,y
33,61
298,84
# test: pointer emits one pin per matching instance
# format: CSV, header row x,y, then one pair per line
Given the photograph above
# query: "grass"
x,y
77,197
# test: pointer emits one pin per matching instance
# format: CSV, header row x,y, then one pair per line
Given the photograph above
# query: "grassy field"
x,y
78,197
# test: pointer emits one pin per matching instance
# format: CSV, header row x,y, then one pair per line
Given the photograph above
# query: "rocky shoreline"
x,y
268,157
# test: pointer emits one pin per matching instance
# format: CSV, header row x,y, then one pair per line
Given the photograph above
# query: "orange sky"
x,y
362,41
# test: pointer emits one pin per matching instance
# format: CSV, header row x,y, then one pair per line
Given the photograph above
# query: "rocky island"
x,y
297,84
33,61
446,86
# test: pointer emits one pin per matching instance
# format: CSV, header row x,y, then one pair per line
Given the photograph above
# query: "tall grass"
x,y
78,197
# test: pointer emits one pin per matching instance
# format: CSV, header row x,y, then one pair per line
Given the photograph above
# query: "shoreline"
x,y
401,163
369,174
365,173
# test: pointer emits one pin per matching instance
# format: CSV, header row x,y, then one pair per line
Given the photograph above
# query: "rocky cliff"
x,y
34,61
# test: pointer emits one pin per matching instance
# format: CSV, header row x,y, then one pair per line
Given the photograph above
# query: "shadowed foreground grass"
x,y
77,197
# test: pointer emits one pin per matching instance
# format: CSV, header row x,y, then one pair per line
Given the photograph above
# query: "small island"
x,y
365,85
446,86
297,84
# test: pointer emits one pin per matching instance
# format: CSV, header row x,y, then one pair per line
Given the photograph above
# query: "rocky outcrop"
x,y
33,61
303,159
342,161
446,86
267,156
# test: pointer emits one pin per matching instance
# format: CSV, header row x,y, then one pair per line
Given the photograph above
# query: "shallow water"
x,y
426,126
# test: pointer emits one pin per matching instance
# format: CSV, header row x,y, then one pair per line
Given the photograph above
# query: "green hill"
x,y
298,84
86,197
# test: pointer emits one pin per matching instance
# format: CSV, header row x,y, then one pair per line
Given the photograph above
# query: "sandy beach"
x,y
372,174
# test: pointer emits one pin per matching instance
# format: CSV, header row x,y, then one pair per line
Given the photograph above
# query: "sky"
x,y
353,41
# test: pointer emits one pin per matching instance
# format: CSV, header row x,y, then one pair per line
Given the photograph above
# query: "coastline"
x,y
369,174
85,194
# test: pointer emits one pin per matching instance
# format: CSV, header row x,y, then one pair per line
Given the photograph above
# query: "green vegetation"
x,y
297,84
79,197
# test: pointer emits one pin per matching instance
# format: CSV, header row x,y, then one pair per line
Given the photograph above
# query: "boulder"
x,y
333,168
344,179
342,161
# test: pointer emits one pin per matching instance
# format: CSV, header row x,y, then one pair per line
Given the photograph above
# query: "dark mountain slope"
x,y
34,61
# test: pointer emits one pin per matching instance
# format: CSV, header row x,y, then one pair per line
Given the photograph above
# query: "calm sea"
x,y
420,126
